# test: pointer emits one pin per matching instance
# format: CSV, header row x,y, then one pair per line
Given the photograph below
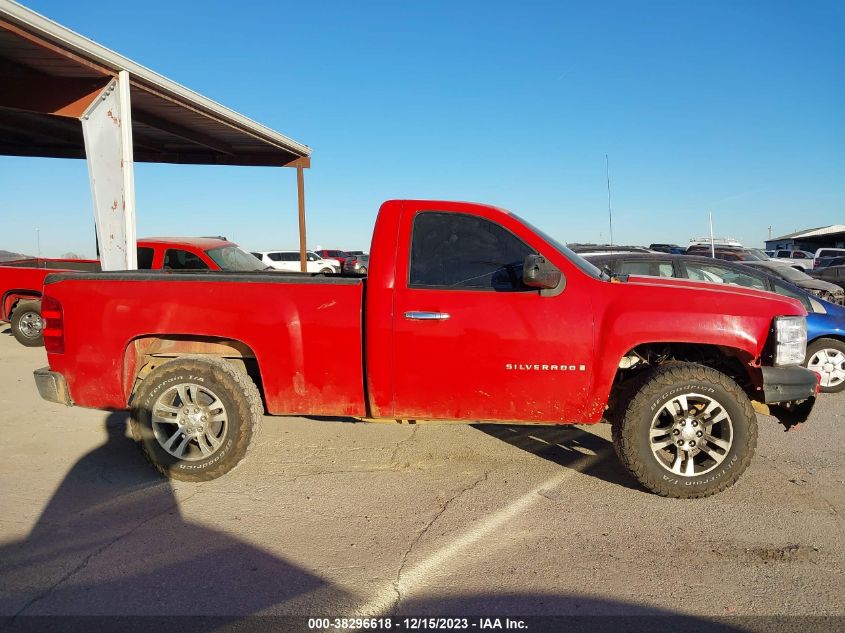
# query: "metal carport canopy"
x,y
52,80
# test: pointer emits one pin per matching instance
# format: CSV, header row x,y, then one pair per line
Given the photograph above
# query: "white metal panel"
x,y
107,129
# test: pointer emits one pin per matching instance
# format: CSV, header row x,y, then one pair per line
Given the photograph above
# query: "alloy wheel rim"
x,y
691,434
830,365
189,421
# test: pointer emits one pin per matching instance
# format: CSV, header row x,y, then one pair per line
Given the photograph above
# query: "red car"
x,y
21,281
468,314
340,256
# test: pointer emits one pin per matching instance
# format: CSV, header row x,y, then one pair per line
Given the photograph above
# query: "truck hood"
x,y
725,293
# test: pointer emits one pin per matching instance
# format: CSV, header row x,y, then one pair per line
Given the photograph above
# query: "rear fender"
x,y
12,298
145,353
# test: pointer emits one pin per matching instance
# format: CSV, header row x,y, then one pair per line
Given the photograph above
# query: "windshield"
x,y
576,259
233,258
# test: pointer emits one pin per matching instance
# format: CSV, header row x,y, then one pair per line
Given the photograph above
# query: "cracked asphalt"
x,y
332,518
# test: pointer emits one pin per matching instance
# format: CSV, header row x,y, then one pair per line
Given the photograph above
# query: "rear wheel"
x,y
26,324
826,357
194,417
689,432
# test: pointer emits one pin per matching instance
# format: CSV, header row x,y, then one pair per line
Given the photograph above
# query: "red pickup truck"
x,y
468,314
21,281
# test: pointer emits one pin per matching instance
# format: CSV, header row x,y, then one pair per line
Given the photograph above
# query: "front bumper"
x,y
788,384
52,386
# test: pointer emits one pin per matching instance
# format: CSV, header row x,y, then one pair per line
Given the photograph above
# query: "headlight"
x,y
790,340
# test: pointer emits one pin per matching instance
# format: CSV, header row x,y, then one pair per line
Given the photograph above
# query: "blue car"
x,y
825,320
826,345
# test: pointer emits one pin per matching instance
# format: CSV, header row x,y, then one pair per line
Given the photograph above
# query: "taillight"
x,y
54,330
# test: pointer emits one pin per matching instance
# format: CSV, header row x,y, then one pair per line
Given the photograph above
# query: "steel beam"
x,y
107,129
300,189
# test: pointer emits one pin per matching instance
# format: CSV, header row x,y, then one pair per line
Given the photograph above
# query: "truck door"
x,y
471,341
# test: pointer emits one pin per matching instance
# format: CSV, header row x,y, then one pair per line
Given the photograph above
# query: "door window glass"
x,y
455,250
722,274
145,258
176,259
665,269
648,268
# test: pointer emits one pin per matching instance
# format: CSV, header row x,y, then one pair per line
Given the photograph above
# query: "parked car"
x,y
832,274
823,253
822,289
824,262
825,321
357,264
21,281
473,315
338,256
598,249
289,261
674,249
728,253
798,259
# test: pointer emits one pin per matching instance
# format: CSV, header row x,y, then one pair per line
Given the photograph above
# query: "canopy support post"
x,y
107,130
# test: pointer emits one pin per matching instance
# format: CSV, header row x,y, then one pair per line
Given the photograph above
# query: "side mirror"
x,y
538,272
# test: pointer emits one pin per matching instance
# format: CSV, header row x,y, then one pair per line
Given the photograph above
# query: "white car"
x,y
797,259
289,261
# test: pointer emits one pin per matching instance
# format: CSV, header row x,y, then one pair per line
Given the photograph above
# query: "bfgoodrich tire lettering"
x,y
195,417
653,436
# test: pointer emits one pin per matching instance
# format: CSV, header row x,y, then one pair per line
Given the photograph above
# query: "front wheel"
x,y
194,417
689,432
826,357
27,325
327,271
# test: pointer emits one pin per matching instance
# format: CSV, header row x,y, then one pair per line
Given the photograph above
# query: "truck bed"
x,y
304,332
84,265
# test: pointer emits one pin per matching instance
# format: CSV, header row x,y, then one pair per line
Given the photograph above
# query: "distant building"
x,y
832,236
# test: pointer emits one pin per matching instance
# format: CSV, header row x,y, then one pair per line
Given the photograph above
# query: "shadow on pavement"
x,y
568,446
112,542
169,566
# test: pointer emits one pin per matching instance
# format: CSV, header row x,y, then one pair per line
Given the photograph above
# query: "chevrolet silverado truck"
x,y
468,314
21,281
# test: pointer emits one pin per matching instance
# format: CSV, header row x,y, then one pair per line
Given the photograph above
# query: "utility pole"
x,y
38,241
712,242
609,211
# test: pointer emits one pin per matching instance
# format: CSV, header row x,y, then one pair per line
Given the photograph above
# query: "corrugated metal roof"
x,y
817,232
171,123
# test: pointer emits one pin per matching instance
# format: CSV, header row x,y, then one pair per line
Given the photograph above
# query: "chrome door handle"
x,y
426,316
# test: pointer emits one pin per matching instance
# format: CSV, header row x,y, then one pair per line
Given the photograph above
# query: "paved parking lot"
x,y
330,518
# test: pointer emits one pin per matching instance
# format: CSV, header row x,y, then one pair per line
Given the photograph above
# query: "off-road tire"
x,y
23,309
817,346
231,385
654,388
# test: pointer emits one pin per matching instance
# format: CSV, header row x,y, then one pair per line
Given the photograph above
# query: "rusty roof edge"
x,y
81,45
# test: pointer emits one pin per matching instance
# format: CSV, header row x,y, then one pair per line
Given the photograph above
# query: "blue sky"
x,y
738,107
